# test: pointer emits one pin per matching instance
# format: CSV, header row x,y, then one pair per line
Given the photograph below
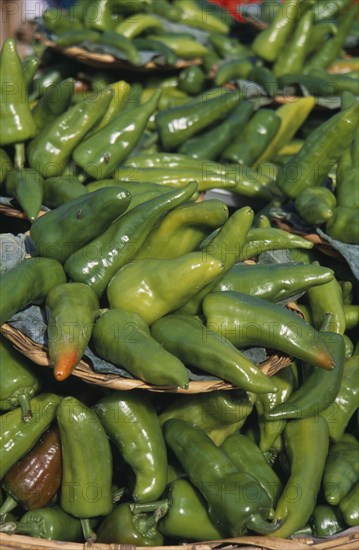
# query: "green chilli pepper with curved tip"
x,y
260,239
183,513
136,24
191,14
270,41
131,422
271,430
340,411
153,45
319,387
178,124
192,80
157,286
26,186
321,149
19,382
210,410
183,45
71,310
124,339
122,526
292,116
55,101
18,437
62,231
5,165
326,521
327,299
86,484
344,225
17,123
32,278
254,138
190,340
123,44
58,21
121,95
248,458
349,508
274,282
30,65
307,443
293,56
315,204
341,471
210,144
101,153
246,320
232,69
76,36
183,229
226,246
331,48
97,262
50,523
231,504
61,189
51,150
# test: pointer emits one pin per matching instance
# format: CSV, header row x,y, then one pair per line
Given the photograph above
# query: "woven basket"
x,y
349,540
39,355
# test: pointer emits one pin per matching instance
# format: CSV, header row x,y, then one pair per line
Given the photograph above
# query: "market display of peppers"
x,y
133,259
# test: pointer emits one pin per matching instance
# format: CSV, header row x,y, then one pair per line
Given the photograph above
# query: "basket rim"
x,y
39,355
348,540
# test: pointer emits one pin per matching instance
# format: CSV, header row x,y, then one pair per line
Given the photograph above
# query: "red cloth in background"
x,y
231,7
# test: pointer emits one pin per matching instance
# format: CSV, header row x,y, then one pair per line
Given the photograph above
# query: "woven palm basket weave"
x,y
349,540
